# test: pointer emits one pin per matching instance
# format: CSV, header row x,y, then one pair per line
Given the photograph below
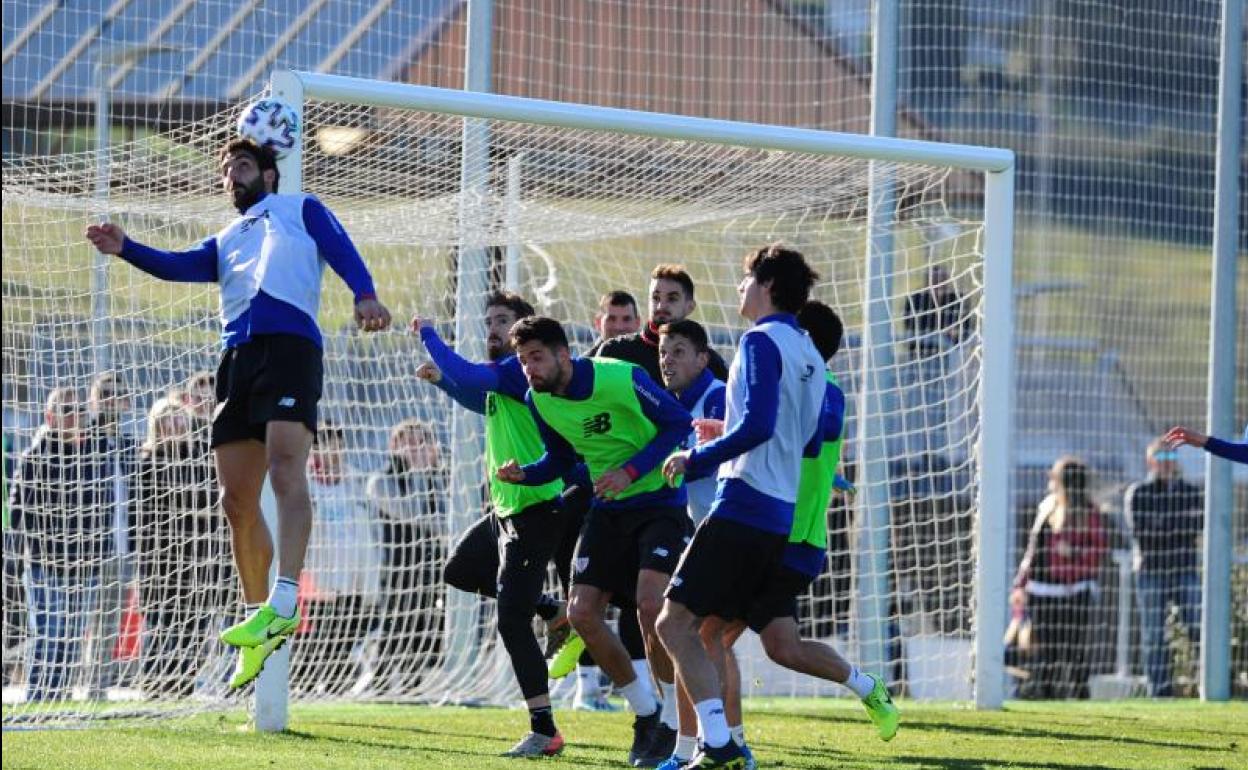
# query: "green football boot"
x,y
882,710
263,626
565,660
251,660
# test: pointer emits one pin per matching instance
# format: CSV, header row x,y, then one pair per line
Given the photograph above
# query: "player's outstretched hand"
x,y
107,238
1180,435
674,467
707,429
510,472
612,483
429,372
371,315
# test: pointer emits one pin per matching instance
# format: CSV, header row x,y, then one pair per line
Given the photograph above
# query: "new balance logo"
x,y
661,551
286,402
599,423
581,564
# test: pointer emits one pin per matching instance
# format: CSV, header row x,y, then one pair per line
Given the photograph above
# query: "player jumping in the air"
x,y
268,263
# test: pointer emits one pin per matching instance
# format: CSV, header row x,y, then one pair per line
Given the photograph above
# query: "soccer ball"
x,y
270,123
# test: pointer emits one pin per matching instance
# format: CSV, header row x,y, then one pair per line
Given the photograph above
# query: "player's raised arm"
x,y
195,265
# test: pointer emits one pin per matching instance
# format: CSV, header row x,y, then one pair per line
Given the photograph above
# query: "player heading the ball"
x,y
270,377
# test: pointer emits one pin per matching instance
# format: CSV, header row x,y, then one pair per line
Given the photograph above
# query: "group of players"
x,y
593,465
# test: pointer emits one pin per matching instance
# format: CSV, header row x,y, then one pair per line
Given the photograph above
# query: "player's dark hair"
x,y
824,327
537,328
263,156
791,278
690,330
617,298
512,301
675,273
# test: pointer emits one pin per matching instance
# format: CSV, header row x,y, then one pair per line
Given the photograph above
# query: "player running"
x,y
774,399
526,525
268,263
622,424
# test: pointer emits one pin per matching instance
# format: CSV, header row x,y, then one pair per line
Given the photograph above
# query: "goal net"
x,y
118,568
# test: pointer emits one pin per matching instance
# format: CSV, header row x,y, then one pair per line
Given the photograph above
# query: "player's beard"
x,y
496,348
248,195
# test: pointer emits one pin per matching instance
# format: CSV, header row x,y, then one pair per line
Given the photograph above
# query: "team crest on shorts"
x,y
581,564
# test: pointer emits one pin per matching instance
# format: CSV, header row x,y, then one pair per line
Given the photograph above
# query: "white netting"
x,y
586,213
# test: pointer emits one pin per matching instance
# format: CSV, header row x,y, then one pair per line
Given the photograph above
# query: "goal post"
x,y
996,394
448,195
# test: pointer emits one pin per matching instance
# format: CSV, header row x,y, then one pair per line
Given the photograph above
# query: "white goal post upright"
x,y
996,394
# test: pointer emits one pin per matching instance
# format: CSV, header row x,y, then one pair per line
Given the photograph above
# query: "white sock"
x,y
712,724
284,597
668,714
685,746
640,698
738,734
860,683
588,683
642,668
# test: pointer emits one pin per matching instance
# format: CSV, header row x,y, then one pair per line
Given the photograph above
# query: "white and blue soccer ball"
x,y
270,123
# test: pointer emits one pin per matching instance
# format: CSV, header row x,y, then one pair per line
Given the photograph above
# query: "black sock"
x,y
542,721
547,607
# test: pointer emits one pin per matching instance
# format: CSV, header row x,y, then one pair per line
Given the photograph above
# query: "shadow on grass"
x,y
1092,733
573,742
471,758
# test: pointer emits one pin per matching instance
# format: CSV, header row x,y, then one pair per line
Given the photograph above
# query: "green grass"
x,y
798,733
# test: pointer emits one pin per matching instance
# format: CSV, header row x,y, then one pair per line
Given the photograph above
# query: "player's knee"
x,y
457,575
514,618
648,610
782,650
671,625
584,616
241,507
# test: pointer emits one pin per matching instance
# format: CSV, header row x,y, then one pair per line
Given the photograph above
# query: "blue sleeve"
x,y
833,413
560,458
465,373
713,406
1236,453
195,265
337,249
469,398
672,420
758,417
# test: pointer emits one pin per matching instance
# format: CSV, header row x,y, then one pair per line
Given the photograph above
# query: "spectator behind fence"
x,y
936,316
1057,583
342,577
107,406
1165,518
410,499
179,550
14,577
59,507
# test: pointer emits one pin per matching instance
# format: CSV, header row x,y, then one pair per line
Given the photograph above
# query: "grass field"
x,y
797,733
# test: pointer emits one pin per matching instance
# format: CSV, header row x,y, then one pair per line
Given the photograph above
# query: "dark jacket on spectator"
x,y
61,500
1166,518
174,522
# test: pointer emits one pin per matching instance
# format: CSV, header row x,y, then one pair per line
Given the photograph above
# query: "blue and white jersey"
x,y
268,263
772,418
704,398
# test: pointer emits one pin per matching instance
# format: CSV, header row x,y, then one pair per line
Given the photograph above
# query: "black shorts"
x,y
726,568
615,545
779,598
271,377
